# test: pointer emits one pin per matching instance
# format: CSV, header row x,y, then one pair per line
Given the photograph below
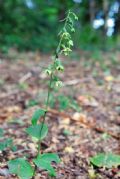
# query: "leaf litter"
x,y
75,136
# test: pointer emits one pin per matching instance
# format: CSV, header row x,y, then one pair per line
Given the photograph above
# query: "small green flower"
x,y
58,65
60,68
66,51
59,84
66,34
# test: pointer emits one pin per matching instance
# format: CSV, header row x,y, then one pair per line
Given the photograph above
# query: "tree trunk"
x,y
92,11
105,11
117,21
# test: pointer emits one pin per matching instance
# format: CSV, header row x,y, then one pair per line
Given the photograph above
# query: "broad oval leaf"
x,y
37,115
51,157
21,167
38,131
44,161
106,160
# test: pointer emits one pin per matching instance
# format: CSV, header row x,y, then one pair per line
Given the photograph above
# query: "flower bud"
x,y
59,84
60,68
48,72
70,42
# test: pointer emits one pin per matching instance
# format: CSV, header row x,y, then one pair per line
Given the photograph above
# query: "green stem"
x,y
46,108
43,121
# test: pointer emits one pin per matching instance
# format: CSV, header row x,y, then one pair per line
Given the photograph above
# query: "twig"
x,y
25,77
76,81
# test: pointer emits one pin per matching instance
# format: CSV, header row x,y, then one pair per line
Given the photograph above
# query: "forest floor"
x,y
84,118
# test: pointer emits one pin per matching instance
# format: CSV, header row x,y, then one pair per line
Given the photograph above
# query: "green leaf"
x,y
20,167
63,102
2,146
32,102
44,161
9,142
37,115
67,132
74,105
38,131
1,132
106,160
6,143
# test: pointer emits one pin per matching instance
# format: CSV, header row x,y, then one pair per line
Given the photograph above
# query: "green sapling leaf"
x,y
106,160
44,161
21,167
38,131
37,115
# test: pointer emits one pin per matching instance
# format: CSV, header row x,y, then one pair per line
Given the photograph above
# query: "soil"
x,y
93,85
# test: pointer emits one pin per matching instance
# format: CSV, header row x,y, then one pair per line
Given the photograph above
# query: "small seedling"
x,y
64,102
32,102
106,160
67,132
5,143
39,130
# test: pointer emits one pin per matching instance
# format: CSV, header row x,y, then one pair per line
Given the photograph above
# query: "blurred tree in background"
x,y
33,24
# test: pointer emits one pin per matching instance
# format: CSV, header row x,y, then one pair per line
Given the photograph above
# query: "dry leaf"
x,y
69,149
109,78
88,101
79,117
65,121
11,109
